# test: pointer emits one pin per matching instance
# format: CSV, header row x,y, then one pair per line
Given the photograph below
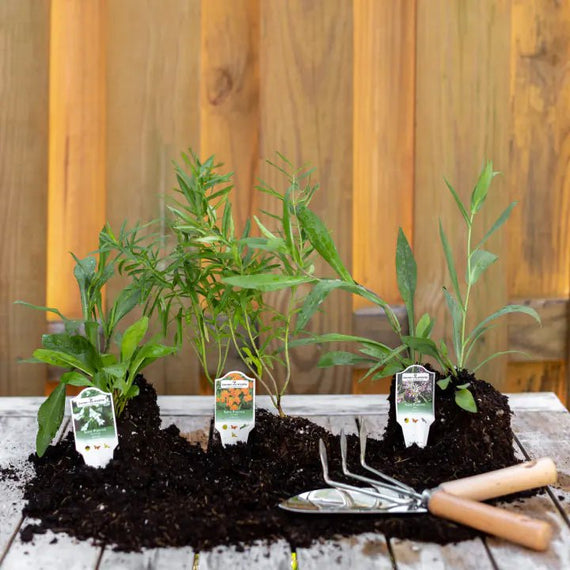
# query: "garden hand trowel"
x,y
453,500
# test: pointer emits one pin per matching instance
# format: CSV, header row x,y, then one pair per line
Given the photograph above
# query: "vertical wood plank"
x,y
538,173
462,118
384,74
24,53
229,101
306,56
153,52
76,200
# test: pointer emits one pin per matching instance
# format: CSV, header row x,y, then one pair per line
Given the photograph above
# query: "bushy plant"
x,y
383,360
84,349
216,284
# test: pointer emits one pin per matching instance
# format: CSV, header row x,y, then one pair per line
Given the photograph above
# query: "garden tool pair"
x,y
457,500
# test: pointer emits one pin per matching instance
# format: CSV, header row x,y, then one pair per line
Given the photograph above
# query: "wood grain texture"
x,y
306,58
153,51
539,160
229,100
462,118
384,76
76,199
24,64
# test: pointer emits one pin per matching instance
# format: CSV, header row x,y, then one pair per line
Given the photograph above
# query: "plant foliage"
x,y
84,348
383,360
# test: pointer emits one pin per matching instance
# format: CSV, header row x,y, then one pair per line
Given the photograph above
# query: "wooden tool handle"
x,y
504,481
515,527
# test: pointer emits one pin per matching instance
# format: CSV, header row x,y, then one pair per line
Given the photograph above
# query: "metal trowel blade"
x,y
336,501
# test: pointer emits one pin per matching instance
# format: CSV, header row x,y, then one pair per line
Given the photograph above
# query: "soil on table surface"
x,y
160,490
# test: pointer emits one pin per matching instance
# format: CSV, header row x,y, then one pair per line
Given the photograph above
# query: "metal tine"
x,y
374,482
363,432
364,491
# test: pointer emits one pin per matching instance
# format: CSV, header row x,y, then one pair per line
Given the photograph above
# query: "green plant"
x,y
219,286
84,348
383,360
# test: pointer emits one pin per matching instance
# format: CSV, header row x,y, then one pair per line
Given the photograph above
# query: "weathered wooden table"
x,y
542,428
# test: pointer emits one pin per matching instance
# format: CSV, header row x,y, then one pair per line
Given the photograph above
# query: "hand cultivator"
x,y
453,500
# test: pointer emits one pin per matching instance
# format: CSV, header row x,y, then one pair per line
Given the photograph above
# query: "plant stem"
x,y
460,356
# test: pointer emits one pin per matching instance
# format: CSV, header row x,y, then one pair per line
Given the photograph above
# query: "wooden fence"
x,y
383,97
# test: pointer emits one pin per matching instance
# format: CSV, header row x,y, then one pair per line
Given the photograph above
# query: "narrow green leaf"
x,y
392,368
424,326
481,189
500,221
132,337
480,261
406,274
497,354
338,337
342,358
263,229
450,263
50,416
464,399
267,282
321,240
313,301
504,311
459,203
456,321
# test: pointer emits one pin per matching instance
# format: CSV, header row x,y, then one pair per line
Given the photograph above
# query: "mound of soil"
x,y
160,490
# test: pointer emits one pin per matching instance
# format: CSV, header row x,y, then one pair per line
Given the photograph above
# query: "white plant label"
x,y
234,415
415,390
94,426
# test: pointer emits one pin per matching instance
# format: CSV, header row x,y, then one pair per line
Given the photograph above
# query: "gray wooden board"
x,y
259,556
544,434
467,555
298,404
49,549
148,559
17,437
368,550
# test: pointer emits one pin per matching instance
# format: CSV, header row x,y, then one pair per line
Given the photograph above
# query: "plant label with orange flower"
x,y
414,403
94,426
235,407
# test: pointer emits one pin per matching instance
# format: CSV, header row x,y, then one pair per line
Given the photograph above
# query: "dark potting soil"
x,y
160,490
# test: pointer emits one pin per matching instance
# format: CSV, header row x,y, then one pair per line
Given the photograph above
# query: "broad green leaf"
x,y
406,274
392,368
457,321
341,358
450,263
500,221
132,337
92,332
125,302
75,379
148,354
504,311
464,399
76,347
321,240
84,272
479,262
62,359
463,386
118,370
459,203
444,382
267,282
50,416
481,189
424,346
424,326
377,352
